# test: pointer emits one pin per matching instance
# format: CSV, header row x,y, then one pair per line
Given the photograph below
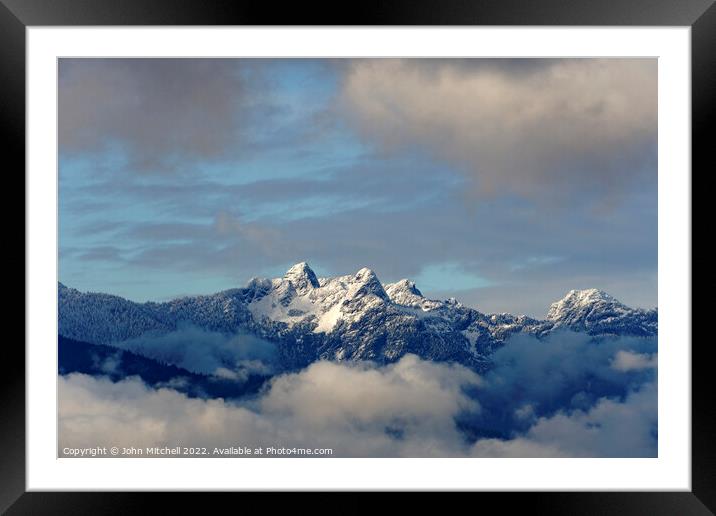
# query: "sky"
x,y
501,182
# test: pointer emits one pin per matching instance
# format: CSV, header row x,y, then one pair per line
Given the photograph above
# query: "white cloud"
x,y
97,412
630,361
207,352
110,364
609,429
404,409
558,126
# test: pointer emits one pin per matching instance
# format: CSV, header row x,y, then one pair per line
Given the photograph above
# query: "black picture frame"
x,y
17,15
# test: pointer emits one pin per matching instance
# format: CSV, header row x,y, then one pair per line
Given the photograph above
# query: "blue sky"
x,y
503,183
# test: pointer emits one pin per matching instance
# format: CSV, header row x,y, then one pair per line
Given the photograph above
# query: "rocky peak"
x,y
404,292
302,278
366,282
404,286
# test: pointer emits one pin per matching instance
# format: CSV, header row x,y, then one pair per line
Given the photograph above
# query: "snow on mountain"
x,y
405,293
300,296
596,312
100,318
579,301
302,278
351,317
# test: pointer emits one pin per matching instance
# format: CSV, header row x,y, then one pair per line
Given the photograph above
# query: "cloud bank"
x,y
537,378
405,409
609,429
531,404
206,352
541,129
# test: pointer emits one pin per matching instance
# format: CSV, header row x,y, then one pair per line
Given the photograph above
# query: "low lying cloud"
x,y
628,361
532,379
609,429
542,129
405,409
109,365
537,401
206,352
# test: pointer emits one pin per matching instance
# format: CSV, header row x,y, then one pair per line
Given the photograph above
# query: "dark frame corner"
x,y
700,15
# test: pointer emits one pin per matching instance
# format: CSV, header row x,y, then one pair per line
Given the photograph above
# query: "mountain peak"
x,y
299,267
579,300
587,295
407,286
302,277
404,292
597,313
365,274
368,283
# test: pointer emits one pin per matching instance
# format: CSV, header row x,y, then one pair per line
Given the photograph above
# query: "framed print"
x,y
442,249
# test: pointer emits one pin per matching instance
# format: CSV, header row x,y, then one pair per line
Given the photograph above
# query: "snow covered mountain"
x,y
351,317
598,313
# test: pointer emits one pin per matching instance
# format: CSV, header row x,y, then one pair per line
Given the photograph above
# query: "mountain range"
x,y
351,317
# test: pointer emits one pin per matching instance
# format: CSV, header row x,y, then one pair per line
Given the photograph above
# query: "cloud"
x,y
412,408
108,365
205,352
628,361
609,429
102,253
405,409
413,393
97,412
535,378
155,112
148,115
549,129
